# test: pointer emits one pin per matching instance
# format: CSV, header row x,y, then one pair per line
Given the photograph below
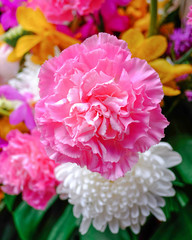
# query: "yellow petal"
x,y
42,51
163,68
168,91
32,20
1,29
152,48
143,23
13,57
1,32
24,44
64,40
134,38
181,69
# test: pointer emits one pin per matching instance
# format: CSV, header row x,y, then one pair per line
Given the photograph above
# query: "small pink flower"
x,y
25,167
7,69
99,107
189,16
59,11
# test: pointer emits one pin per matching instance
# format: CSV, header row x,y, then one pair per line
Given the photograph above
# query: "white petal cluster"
x,y
125,202
27,81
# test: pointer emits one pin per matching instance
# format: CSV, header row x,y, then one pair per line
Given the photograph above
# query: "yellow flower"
x,y
145,48
6,127
1,29
151,49
168,73
137,10
43,40
1,32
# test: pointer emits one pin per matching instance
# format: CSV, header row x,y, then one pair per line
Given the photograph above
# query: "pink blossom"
x,y
59,11
7,69
99,107
25,167
113,21
189,16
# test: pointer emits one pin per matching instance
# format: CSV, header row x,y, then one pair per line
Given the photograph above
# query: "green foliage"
x,y
9,201
65,226
177,228
93,234
176,203
182,143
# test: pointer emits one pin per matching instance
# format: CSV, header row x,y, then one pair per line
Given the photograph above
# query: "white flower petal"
x,y
125,202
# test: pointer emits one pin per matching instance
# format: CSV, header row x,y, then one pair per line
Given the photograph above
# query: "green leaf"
x,y
176,203
65,225
183,145
93,234
182,198
9,201
177,228
12,35
27,219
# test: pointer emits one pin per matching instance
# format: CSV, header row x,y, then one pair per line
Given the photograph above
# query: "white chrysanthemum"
x,y
126,201
27,81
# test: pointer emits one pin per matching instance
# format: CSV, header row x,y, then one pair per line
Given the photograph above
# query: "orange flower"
x,y
44,39
6,127
138,12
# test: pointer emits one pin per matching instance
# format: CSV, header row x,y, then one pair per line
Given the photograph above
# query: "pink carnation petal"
x,y
25,168
99,107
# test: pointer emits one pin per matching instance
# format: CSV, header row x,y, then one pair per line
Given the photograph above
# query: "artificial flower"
x,y
22,110
25,168
99,107
58,12
125,202
45,37
8,15
7,69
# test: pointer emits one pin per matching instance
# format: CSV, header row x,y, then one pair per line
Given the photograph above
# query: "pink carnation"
x,y
99,107
189,16
25,167
59,11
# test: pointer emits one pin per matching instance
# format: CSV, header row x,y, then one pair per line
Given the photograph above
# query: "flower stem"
x,y
153,19
184,57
